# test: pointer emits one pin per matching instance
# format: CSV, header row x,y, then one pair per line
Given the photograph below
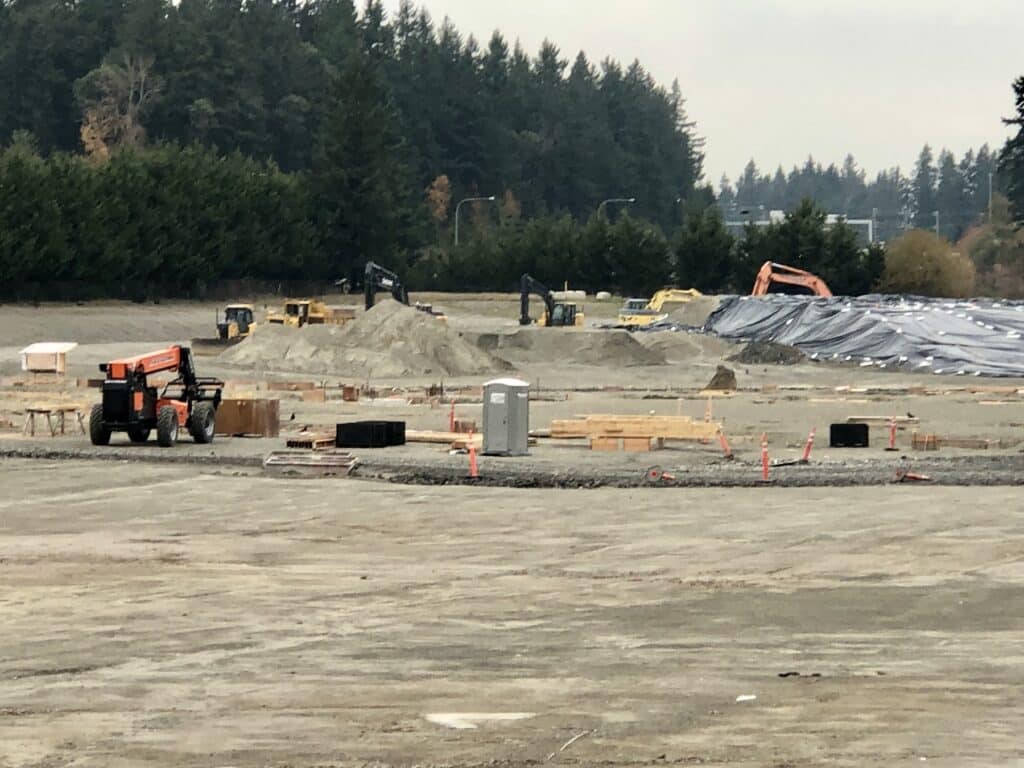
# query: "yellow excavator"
x,y
641,312
557,314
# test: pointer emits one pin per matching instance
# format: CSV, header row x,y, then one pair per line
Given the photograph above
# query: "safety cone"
x,y
726,450
807,448
764,457
892,434
474,471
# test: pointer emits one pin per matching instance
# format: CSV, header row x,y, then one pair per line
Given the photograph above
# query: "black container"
x,y
369,434
848,436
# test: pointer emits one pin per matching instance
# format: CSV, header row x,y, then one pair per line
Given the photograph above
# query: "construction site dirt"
x,y
177,606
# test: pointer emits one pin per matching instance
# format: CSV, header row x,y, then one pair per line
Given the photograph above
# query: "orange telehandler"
x,y
779,274
131,405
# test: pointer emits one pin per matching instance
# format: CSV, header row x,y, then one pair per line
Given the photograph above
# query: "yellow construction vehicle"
x,y
557,314
235,323
641,312
299,312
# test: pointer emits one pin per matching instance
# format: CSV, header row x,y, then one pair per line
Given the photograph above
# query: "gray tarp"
x,y
980,337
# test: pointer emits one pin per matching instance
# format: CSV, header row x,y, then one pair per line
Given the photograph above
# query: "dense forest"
x,y
154,148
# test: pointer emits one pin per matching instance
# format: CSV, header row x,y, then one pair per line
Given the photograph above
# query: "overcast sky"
x,y
775,80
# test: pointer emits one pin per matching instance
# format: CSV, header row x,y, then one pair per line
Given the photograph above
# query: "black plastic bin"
x,y
848,436
370,434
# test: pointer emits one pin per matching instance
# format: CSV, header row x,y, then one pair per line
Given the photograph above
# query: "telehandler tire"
x,y
167,426
201,424
98,432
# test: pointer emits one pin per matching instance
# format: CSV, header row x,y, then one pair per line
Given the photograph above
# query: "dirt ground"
x,y
156,616
174,607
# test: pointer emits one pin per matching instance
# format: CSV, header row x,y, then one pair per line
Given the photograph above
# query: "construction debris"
x,y
310,463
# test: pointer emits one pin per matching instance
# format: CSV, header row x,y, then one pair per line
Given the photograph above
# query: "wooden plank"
x,y
636,444
311,441
430,436
665,427
882,419
604,443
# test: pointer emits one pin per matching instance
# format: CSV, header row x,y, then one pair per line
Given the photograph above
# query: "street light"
x,y
623,200
489,199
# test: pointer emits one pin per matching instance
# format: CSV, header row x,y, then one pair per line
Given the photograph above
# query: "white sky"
x,y
775,80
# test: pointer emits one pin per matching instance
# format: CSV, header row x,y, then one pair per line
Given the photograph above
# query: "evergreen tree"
x,y
1011,161
362,191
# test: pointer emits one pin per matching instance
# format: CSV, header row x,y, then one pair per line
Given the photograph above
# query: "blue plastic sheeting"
x,y
979,337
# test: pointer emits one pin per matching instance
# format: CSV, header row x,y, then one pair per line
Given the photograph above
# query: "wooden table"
x,y
61,411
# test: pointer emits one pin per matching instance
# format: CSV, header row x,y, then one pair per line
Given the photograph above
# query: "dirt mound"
x,y
680,346
695,312
767,353
560,345
390,340
724,379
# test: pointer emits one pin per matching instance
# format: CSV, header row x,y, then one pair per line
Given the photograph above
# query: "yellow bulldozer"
x,y
234,323
641,312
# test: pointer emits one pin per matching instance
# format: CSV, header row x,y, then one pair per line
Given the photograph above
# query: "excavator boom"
x,y
772,273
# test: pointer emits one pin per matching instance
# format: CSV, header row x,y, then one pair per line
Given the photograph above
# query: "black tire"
x,y
98,432
202,422
138,434
167,426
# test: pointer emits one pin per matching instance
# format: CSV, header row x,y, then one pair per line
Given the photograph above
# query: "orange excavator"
x,y
779,274
131,405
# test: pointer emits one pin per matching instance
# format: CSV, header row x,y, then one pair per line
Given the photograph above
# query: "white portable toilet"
x,y
506,417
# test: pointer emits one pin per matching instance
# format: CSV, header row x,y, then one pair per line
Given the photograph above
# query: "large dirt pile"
x,y
694,312
390,340
681,346
562,345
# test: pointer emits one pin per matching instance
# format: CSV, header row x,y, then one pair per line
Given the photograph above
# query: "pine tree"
x,y
361,188
1011,161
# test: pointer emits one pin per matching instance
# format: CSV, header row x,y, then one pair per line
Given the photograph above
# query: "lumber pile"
x,y
633,433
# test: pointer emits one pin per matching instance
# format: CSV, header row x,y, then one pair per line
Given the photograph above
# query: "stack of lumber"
x,y
633,433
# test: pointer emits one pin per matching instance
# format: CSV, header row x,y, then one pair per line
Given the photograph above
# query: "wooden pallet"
x,y
633,433
311,442
310,463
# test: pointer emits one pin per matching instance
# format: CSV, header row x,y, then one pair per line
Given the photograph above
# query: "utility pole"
x,y
873,226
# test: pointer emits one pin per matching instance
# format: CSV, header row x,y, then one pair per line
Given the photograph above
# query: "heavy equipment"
x,y
641,312
792,280
237,322
130,404
378,278
234,324
299,312
562,314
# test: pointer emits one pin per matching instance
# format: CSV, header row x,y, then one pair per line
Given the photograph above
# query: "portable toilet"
x,y
506,417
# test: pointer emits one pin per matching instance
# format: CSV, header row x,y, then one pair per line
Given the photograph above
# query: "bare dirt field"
x,y
175,607
156,616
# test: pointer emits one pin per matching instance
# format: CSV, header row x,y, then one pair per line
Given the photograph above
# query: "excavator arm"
x,y
377,278
772,273
528,285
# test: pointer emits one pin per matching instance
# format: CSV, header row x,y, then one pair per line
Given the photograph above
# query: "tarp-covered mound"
x,y
390,340
981,337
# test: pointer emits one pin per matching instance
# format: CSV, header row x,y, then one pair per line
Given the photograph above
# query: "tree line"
x,y
956,190
153,147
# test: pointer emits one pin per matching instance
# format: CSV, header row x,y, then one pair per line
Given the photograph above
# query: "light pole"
x,y
623,200
489,199
990,196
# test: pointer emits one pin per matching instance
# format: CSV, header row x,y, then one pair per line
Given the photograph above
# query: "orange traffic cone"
x,y
474,471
